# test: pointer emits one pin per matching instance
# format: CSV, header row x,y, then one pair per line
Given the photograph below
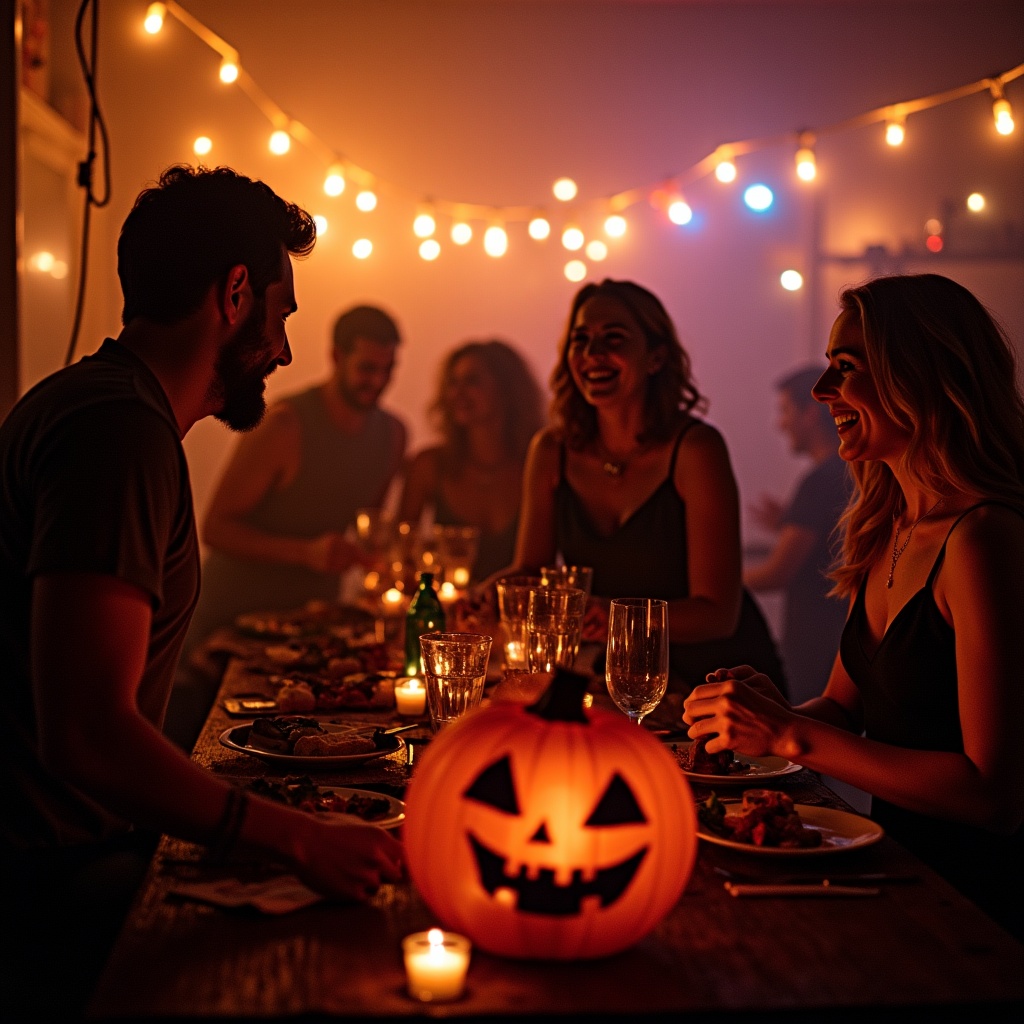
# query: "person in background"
x,y
802,555
632,483
99,574
487,408
923,708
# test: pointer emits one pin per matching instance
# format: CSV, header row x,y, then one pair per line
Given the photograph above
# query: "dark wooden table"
x,y
918,951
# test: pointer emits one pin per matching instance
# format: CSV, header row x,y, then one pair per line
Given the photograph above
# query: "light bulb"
x,y
933,226
202,145
679,211
791,280
361,248
806,165
615,226
334,183
155,14
572,238
495,241
725,171
280,142
596,250
975,202
42,261
539,228
228,71
895,133
430,249
564,189
462,232
366,201
321,224
424,225
1003,114
575,270
758,197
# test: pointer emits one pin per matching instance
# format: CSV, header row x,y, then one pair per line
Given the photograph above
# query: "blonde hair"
x,y
946,373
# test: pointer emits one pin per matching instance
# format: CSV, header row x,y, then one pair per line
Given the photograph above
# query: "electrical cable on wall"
x,y
85,168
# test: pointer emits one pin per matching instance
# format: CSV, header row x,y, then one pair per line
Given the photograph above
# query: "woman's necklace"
x,y
898,550
616,467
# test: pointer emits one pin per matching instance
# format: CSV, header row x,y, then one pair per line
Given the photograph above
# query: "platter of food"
x,y
294,742
728,768
334,804
767,822
325,618
301,693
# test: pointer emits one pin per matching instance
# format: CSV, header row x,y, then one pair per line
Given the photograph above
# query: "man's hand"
x,y
333,552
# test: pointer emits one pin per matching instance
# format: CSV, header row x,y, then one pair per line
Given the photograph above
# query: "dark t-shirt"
x,y
813,621
93,479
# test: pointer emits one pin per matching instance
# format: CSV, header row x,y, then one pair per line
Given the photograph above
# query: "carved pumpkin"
x,y
549,831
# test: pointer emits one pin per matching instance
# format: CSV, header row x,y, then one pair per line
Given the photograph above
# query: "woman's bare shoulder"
x,y
991,532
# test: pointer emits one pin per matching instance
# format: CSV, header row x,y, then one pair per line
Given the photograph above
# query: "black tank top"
x,y
909,694
646,556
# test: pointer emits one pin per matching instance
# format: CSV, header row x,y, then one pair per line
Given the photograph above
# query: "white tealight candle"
x,y
435,965
410,697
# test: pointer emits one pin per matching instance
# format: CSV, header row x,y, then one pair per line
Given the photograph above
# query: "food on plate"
x,y
359,690
332,744
315,617
295,697
767,817
302,793
696,759
279,734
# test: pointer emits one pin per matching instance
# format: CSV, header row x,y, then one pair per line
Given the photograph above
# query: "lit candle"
x,y
460,576
393,606
436,965
410,697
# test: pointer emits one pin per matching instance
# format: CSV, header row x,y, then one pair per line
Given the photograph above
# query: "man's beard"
x,y
240,384
359,399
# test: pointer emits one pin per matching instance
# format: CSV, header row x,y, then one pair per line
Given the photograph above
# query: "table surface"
x,y
918,948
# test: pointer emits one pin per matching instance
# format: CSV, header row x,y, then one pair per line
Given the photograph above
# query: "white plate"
x,y
395,816
840,830
237,738
761,769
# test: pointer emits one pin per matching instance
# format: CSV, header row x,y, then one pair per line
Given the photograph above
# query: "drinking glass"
x,y
457,548
513,605
636,665
554,622
578,576
455,666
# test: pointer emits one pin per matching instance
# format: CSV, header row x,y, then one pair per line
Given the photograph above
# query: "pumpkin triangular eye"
x,y
494,787
541,835
618,806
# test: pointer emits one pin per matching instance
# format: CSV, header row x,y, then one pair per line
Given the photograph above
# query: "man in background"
x,y
802,554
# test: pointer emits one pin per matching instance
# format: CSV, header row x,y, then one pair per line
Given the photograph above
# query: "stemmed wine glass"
x,y
636,666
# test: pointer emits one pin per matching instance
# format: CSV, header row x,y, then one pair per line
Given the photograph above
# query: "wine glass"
x,y
636,666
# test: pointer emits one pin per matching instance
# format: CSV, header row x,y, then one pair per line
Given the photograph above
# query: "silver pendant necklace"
x,y
898,550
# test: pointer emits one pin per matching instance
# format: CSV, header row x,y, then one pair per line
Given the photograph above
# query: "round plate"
x,y
761,769
237,738
840,831
395,816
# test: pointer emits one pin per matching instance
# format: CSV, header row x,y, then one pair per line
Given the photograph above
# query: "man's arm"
x,y
89,642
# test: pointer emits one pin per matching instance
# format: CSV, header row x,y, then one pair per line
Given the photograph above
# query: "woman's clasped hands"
x,y
741,709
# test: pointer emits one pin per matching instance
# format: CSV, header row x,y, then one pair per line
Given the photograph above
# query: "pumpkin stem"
x,y
562,701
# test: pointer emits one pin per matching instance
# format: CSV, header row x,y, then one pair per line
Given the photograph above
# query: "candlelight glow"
x,y
564,189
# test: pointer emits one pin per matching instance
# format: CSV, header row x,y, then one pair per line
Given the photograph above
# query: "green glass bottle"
x,y
425,615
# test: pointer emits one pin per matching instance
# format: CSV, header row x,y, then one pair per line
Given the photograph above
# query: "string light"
x,y
334,182
575,270
615,225
806,163
895,132
596,250
155,14
933,234
975,202
462,232
229,70
680,211
202,145
424,225
361,248
1002,112
572,238
565,189
725,166
539,228
280,142
366,200
430,249
759,198
791,280
495,241
321,224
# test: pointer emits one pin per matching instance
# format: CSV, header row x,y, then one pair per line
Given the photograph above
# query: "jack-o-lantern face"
x,y
549,835
539,886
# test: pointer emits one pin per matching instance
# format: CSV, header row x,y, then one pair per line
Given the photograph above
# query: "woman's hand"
x,y
741,710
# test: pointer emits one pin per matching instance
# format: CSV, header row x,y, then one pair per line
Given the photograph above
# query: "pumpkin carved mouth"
x,y
542,895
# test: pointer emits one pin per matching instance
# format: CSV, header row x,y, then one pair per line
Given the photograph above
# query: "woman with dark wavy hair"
x,y
632,483
924,707
488,406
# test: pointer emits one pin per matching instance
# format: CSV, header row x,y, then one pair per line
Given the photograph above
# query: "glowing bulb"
x,y
42,261
572,238
334,183
539,228
366,201
495,241
228,71
321,224
679,212
280,142
758,197
725,171
461,232
615,226
361,248
155,15
1003,114
430,249
575,270
424,225
895,133
933,243
202,145
791,280
564,189
975,202
59,270
806,165
933,226
596,250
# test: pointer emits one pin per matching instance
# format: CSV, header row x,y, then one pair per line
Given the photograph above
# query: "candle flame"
x,y
435,937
